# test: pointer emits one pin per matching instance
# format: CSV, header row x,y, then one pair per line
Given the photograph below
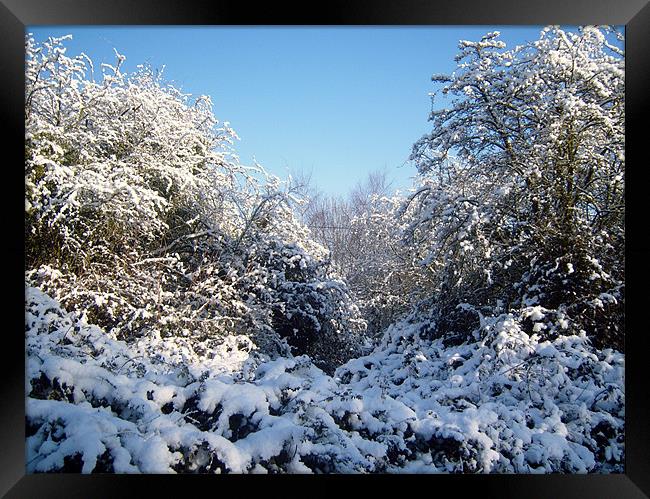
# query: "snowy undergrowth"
x,y
506,402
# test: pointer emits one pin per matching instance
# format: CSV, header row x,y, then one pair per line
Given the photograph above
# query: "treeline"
x,y
139,216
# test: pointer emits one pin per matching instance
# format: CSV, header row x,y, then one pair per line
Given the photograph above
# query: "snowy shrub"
x,y
506,402
139,216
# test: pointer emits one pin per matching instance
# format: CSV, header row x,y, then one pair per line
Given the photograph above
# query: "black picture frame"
x,y
16,15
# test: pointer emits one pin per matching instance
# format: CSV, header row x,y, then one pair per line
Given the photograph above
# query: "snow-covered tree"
x,y
385,275
362,233
521,199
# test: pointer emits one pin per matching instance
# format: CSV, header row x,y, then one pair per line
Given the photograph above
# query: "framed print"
x,y
268,242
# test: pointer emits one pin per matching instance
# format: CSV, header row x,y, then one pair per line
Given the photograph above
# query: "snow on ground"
x,y
507,402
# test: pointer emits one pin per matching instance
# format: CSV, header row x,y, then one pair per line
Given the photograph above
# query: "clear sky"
x,y
337,101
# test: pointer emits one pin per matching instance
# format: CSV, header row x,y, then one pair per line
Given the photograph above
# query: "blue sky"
x,y
338,102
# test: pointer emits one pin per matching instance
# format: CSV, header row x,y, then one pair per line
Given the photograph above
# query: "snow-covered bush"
x,y
139,216
505,402
112,166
